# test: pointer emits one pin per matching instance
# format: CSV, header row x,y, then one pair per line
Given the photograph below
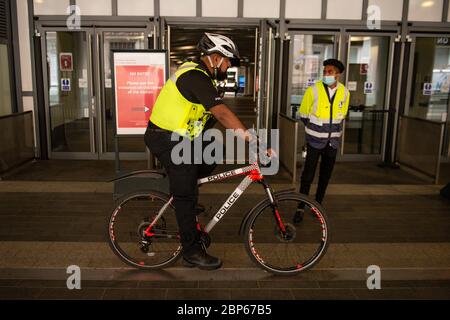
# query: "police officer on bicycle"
x,y
187,104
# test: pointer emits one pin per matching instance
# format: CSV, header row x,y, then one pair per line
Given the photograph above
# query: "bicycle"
x,y
143,231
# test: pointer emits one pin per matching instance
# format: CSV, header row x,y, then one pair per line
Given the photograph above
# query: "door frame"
x,y
293,32
166,23
413,35
99,83
266,70
93,30
92,154
347,34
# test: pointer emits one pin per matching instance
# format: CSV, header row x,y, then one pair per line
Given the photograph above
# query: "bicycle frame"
x,y
252,174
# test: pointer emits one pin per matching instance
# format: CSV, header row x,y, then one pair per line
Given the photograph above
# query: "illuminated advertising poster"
x,y
138,79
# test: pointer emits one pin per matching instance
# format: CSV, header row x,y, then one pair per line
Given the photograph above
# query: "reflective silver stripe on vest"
x,y
319,122
322,135
346,95
316,99
314,120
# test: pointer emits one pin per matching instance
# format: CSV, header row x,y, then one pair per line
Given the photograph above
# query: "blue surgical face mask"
x,y
329,80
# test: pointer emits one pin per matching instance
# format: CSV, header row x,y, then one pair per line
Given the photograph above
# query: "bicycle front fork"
x,y
274,206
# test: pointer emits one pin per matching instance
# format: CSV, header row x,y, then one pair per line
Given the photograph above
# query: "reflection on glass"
x,y
367,80
114,41
431,82
308,54
5,87
431,68
68,104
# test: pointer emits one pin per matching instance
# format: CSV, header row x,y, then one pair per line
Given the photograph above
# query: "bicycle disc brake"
x,y
287,236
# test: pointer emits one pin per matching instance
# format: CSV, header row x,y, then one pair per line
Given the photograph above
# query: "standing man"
x,y
188,102
323,109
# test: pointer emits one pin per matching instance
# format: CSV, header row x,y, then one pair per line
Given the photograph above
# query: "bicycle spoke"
x,y
297,247
139,238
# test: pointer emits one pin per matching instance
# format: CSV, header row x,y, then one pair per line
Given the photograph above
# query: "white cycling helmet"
x,y
216,43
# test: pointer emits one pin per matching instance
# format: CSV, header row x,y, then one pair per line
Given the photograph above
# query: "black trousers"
x,y
183,186
328,160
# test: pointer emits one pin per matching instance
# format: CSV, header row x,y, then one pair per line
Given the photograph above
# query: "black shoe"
x,y
202,260
199,209
298,216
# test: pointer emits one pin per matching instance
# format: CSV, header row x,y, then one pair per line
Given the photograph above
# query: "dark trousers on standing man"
x,y
183,185
328,155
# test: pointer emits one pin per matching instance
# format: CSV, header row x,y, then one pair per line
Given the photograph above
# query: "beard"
x,y
220,75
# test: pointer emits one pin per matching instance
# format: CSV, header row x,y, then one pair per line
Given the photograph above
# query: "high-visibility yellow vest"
x,y
323,118
173,112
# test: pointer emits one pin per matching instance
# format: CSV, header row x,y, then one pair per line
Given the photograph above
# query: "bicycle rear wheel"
x,y
296,248
138,238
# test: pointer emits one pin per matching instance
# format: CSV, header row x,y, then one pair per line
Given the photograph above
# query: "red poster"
x,y
137,87
65,61
363,69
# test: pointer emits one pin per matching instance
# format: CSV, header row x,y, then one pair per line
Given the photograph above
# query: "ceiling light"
x,y
427,4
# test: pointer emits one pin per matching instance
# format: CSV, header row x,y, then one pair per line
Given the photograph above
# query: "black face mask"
x,y
220,75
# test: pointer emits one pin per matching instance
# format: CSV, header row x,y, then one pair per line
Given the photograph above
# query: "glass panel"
x,y
111,41
68,91
135,8
367,80
425,10
309,52
215,8
303,9
177,8
390,10
431,82
50,7
261,8
97,7
431,79
344,9
5,86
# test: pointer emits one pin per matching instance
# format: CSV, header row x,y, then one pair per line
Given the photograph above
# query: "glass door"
x,y
107,40
70,106
368,78
265,75
429,90
308,51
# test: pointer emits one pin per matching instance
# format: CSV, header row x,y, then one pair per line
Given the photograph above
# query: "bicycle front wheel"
x,y
143,231
283,242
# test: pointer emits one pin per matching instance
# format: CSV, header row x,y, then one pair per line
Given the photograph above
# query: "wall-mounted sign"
x,y
442,41
352,86
65,84
368,87
139,76
427,89
310,82
82,83
65,61
363,68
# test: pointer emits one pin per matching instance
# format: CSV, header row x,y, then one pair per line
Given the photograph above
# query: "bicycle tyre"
x,y
264,253
113,230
